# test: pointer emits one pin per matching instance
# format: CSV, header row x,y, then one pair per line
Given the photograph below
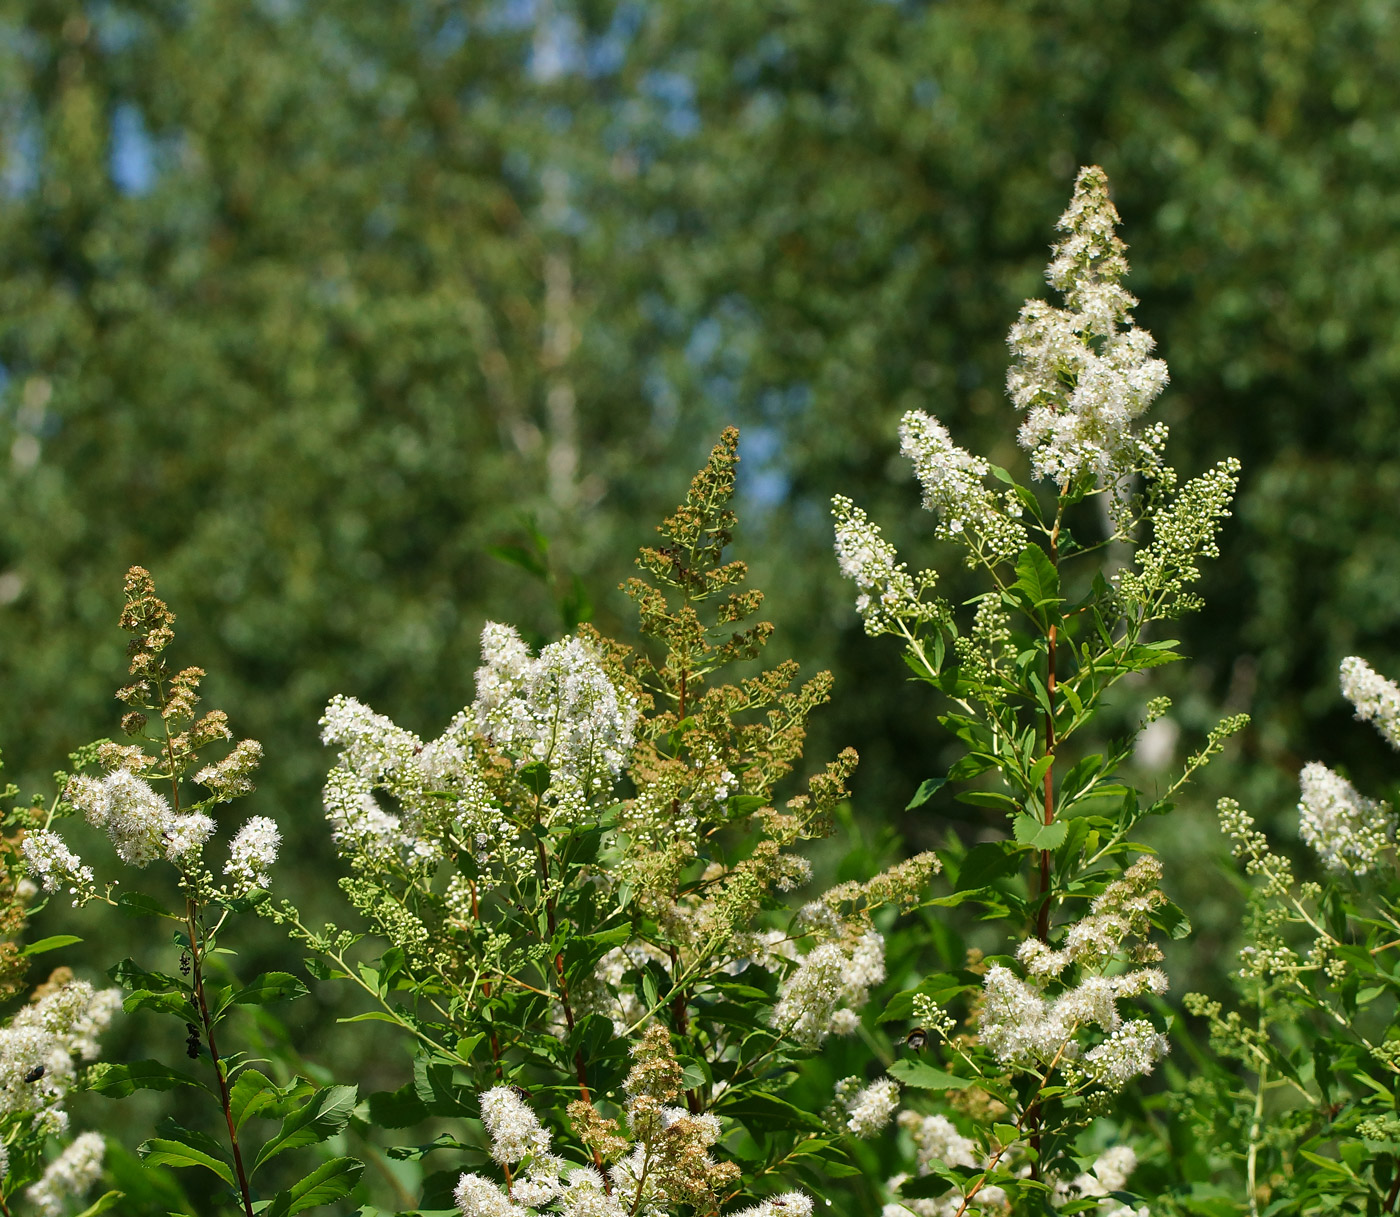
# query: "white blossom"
x,y
1109,1174
1377,700
1348,830
479,1197
887,592
136,818
515,1130
251,854
560,709
869,1108
1130,1051
1083,373
952,482
69,1175
936,1138
829,986
50,1033
57,867
585,1196
185,837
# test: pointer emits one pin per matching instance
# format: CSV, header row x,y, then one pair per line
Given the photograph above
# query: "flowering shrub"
x,y
583,906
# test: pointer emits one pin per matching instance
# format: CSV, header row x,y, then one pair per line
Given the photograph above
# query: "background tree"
x,y
308,309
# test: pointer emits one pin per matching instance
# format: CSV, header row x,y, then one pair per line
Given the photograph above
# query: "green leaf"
x,y
925,1187
104,1202
399,1108
1030,831
118,1081
1150,655
329,1181
535,776
767,1111
432,1081
923,1076
167,1003
324,1115
159,1151
371,1016
52,943
131,975
250,1094
1037,578
744,804
985,863
989,798
270,987
138,904
927,789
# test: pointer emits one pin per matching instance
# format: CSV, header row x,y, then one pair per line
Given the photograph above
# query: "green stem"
x,y
1255,1127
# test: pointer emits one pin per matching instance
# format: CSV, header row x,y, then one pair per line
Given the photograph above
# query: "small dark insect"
x,y
34,1074
916,1039
521,1092
184,963
192,1041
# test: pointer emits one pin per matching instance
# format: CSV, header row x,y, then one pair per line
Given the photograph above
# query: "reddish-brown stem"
x,y
197,968
197,983
1394,1193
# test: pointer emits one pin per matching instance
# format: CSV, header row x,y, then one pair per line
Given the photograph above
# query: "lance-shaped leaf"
x,y
321,1117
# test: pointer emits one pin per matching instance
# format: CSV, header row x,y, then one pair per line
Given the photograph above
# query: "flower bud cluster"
x,y
1183,533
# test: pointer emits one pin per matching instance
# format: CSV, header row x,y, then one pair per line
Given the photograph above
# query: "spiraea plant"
x,y
1021,1050
156,799
583,888
1298,1109
46,1046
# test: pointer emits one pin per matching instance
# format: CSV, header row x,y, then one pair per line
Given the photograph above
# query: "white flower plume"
x,y
1083,373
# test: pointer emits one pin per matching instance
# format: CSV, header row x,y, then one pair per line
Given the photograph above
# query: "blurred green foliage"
x,y
327,314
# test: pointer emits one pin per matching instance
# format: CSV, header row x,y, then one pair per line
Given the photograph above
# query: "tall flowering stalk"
x,y
1053,1028
1298,1109
156,800
582,884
